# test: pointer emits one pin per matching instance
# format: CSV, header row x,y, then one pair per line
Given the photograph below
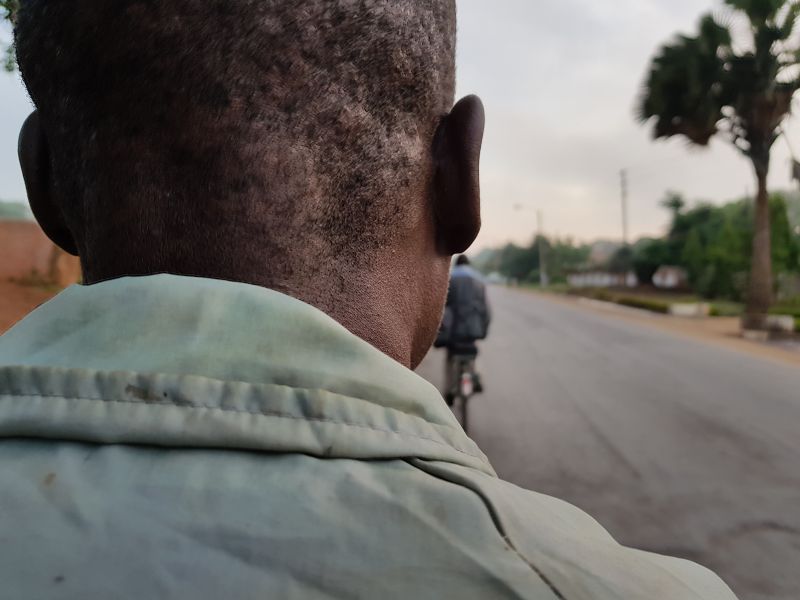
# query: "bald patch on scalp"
x,y
300,132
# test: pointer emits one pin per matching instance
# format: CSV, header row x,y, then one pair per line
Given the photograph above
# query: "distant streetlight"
x,y
544,280
624,189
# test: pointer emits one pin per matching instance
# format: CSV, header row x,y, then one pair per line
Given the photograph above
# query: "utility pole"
x,y
624,189
544,280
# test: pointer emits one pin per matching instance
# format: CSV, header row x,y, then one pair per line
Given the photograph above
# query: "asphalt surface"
x,y
675,445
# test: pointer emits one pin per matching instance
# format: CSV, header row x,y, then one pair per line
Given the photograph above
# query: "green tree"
x,y
564,257
713,244
622,261
693,257
726,258
702,86
785,242
8,9
518,262
648,256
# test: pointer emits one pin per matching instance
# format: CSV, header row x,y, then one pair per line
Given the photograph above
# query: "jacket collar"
x,y
197,362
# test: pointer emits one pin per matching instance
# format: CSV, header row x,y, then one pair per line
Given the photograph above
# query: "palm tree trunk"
x,y
759,298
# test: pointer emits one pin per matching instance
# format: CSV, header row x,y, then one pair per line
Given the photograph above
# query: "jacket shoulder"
x,y
574,554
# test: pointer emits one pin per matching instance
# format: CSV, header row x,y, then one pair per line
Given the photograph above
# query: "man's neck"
x,y
391,304
361,309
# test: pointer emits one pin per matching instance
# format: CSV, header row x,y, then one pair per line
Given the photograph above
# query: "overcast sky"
x,y
559,79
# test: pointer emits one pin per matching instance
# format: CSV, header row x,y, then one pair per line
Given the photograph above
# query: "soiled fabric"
x,y
169,437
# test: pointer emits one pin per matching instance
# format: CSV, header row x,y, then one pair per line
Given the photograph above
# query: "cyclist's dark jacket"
x,y
467,314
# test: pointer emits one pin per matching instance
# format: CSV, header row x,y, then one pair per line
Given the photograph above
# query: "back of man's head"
x,y
279,126
307,146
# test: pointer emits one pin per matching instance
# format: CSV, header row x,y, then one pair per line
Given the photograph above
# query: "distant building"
x,y
496,278
602,251
602,279
671,278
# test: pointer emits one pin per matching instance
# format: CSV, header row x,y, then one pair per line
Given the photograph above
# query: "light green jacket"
x,y
168,437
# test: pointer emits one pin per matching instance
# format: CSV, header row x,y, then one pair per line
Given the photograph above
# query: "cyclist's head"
x,y
303,146
462,260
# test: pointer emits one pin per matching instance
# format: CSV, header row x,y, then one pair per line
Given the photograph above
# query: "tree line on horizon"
x,y
711,242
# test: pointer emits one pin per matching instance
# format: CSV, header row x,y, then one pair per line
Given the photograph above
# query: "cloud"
x,y
560,81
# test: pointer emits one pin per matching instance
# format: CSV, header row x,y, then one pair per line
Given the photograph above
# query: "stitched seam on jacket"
x,y
496,521
279,386
276,414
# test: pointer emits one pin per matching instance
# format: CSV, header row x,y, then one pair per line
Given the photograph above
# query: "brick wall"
x,y
27,254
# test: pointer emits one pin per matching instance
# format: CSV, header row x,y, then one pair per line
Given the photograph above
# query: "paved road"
x,y
674,445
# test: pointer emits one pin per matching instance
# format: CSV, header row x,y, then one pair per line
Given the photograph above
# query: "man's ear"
x,y
34,158
457,153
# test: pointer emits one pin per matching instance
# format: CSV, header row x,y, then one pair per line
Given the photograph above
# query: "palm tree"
x,y
740,87
674,203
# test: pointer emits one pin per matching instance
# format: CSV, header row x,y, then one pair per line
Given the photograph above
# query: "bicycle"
x,y
464,384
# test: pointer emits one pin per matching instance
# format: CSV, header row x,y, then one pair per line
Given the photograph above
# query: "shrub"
x,y
650,304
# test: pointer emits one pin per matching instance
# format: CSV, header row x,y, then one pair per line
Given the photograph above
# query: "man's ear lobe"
x,y
34,158
457,153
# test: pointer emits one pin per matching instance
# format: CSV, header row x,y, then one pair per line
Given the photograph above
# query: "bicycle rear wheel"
x,y
465,414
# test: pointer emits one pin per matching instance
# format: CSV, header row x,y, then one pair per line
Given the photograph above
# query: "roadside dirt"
x,y
18,300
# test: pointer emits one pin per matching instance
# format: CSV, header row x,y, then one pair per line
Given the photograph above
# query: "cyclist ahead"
x,y
466,320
